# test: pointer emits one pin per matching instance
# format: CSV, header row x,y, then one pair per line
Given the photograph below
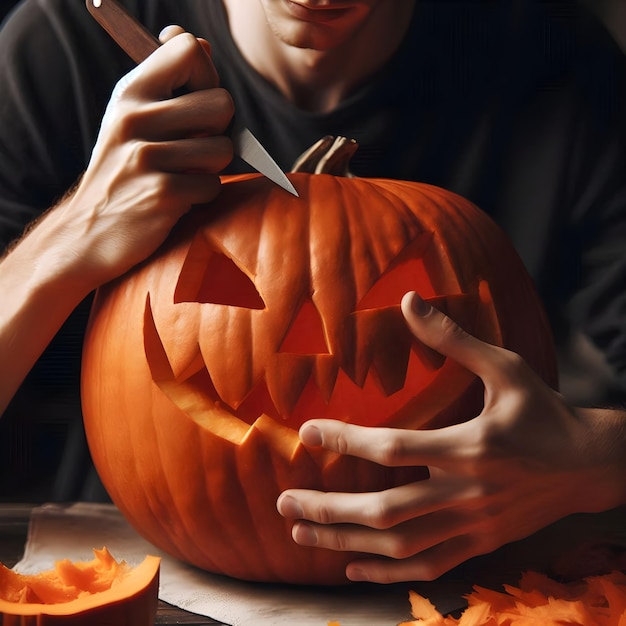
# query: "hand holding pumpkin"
x,y
526,461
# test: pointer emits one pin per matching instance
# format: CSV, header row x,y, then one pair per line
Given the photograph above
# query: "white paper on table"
x,y
72,532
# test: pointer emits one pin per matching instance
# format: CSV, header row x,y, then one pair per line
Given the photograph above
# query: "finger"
x,y
399,542
427,565
194,155
169,32
207,112
440,332
396,447
182,61
190,189
382,509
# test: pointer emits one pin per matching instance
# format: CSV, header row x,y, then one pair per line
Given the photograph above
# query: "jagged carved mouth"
x,y
321,388
363,368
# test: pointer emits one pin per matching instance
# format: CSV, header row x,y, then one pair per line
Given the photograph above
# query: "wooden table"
x,y
13,531
575,542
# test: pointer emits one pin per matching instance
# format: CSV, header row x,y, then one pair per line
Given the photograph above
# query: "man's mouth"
x,y
312,12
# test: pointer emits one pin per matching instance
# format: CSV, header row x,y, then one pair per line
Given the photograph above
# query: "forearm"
x,y
39,287
156,156
603,451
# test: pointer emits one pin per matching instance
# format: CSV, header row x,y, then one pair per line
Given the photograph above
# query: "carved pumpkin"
x,y
263,310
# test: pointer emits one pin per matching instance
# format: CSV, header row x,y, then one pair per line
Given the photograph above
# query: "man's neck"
x,y
319,79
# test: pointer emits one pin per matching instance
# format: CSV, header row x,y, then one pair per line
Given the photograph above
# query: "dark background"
x,y
30,449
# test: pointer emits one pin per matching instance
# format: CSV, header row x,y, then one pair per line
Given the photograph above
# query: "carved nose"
x,y
306,334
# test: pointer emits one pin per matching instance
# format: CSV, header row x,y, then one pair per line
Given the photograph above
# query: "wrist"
x,y
605,450
49,257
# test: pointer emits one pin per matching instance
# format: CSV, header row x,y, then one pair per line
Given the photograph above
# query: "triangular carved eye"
x,y
306,334
392,285
210,277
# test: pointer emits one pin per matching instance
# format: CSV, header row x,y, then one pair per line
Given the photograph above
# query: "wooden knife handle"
x,y
132,36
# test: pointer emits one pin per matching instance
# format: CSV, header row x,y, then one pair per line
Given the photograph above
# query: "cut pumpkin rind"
x,y
100,591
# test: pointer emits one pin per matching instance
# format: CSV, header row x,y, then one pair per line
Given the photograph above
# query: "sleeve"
x,y
598,203
566,202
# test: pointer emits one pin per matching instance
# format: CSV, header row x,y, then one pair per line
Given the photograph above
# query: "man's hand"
x,y
526,461
157,154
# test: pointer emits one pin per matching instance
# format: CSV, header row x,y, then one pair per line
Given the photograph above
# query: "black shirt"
x,y
518,105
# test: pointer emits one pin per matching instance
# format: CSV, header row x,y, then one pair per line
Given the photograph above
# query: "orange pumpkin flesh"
x,y
101,591
537,600
263,310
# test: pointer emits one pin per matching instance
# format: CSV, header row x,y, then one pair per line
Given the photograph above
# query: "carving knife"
x,y
138,42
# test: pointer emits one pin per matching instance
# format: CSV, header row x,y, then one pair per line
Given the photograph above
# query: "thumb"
x,y
439,332
204,75
169,32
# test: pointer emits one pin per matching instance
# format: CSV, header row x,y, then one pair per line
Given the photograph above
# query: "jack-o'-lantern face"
x,y
263,310
298,316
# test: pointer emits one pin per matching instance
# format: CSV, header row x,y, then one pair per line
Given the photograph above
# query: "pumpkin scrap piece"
x,y
102,591
537,601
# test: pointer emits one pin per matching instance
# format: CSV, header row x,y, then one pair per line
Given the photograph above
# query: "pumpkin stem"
x,y
330,155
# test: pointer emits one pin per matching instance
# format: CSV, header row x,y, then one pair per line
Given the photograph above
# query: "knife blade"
x,y
138,42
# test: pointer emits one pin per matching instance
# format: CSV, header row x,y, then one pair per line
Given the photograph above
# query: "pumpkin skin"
x,y
263,310
101,591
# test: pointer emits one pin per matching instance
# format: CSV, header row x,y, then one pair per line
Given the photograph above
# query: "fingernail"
x,y
356,574
289,507
304,535
311,435
419,306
